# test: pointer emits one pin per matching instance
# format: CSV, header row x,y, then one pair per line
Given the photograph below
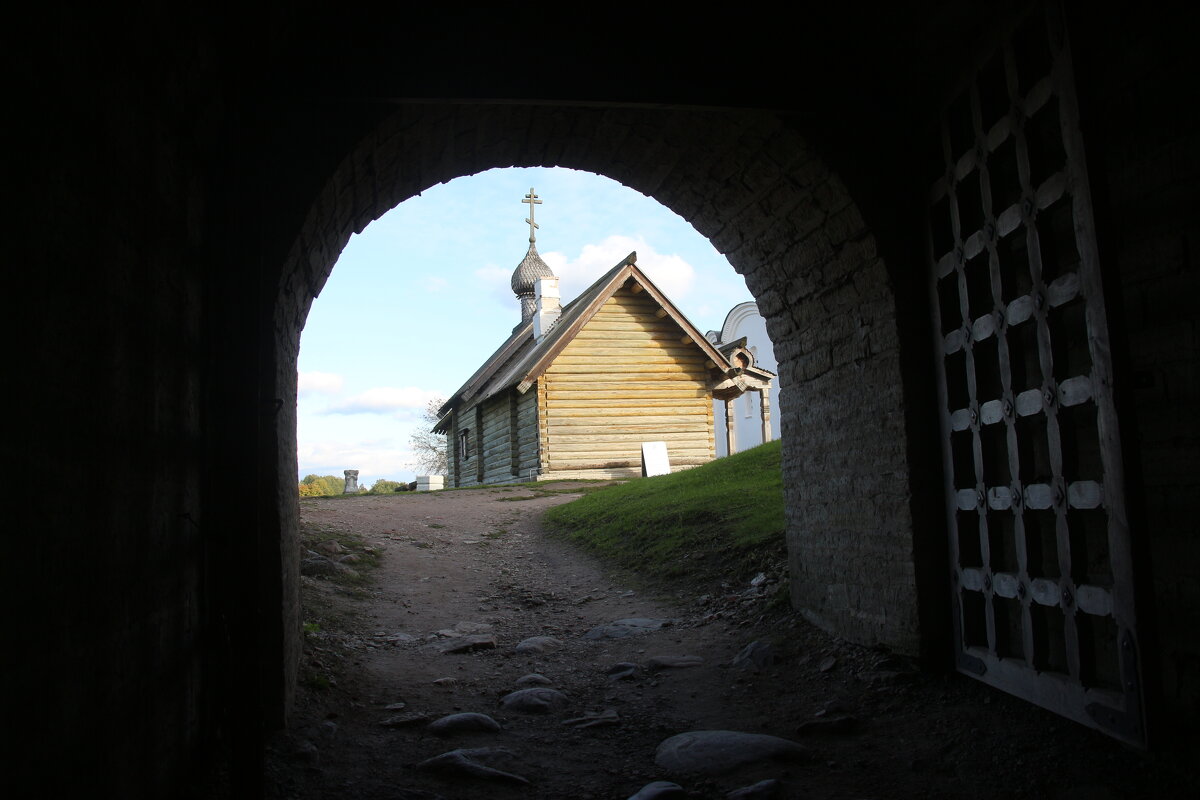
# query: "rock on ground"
x,y
534,679
538,700
466,722
659,790
756,655
491,763
763,790
468,644
621,628
717,752
537,644
673,662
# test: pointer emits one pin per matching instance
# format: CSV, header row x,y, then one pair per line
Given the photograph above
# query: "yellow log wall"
x,y
625,379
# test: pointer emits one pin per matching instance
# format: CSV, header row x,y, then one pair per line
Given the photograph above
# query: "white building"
x,y
745,323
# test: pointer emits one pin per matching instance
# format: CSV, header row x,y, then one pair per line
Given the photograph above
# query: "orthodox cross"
x,y
533,200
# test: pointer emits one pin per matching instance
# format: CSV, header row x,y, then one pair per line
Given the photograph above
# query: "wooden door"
x,y
1039,542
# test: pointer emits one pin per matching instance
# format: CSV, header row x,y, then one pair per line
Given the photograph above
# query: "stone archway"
x,y
785,220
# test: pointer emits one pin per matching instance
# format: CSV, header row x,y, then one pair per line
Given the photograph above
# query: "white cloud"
x,y
402,403
496,283
435,284
319,383
372,458
671,273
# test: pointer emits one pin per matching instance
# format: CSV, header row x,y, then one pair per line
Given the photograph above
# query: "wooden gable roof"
x,y
532,363
520,361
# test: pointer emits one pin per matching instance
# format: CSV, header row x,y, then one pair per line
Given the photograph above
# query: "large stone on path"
x,y
331,547
318,566
405,720
467,722
623,671
756,655
621,628
659,790
468,644
718,752
657,663
490,763
534,679
595,719
537,644
763,790
538,700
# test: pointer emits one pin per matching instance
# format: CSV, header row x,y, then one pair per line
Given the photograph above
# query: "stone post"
x,y
351,481
730,428
766,413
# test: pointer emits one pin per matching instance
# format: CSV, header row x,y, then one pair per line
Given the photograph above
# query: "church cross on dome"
x,y
532,200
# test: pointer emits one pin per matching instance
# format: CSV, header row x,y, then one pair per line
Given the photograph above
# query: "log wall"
x,y
626,378
503,441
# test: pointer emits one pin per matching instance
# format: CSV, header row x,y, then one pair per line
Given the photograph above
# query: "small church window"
x,y
464,443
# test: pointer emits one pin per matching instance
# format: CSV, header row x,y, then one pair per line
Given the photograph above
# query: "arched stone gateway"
x,y
755,187
181,190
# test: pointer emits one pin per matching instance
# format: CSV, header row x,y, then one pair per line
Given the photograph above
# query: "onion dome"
x,y
528,271
531,268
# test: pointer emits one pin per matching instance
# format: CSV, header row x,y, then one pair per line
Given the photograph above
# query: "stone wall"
x,y
1144,151
184,188
784,219
111,638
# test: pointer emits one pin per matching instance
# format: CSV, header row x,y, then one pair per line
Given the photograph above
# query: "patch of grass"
x,y
718,522
519,497
434,525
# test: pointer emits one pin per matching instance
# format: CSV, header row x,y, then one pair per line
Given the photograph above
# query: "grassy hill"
x,y
721,521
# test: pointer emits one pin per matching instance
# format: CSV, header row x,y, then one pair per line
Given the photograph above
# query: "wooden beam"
x,y
670,415
596,383
631,388
686,443
620,430
626,346
610,359
621,403
602,393
561,372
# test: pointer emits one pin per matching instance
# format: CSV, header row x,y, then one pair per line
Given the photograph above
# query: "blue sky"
x,y
419,299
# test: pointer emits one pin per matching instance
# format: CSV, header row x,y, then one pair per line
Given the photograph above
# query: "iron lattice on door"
x,y
1039,542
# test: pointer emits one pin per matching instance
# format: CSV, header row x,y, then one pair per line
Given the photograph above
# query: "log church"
x,y
576,390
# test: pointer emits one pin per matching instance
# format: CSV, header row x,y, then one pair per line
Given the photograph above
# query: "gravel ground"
x,y
474,572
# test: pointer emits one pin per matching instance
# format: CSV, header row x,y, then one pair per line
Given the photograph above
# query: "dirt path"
x,y
464,564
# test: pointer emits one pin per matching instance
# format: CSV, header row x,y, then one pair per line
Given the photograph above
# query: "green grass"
x,y
720,521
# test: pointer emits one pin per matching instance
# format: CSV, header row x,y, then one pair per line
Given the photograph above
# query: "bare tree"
x,y
429,448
